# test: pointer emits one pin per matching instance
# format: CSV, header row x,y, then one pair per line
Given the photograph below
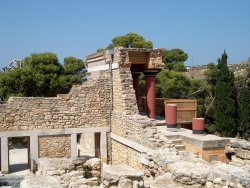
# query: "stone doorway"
x,y
86,144
19,154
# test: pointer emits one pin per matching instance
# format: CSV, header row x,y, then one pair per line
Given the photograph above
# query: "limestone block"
x,y
40,181
187,172
242,153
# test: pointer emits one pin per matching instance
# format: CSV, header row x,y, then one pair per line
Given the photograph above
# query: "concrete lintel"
x,y
45,132
104,148
73,146
4,155
134,145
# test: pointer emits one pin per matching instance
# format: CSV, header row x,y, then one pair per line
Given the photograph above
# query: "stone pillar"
x,y
171,115
150,93
73,146
33,152
198,125
136,86
4,155
104,148
97,145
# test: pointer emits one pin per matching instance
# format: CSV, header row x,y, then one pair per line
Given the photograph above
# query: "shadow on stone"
x,y
18,167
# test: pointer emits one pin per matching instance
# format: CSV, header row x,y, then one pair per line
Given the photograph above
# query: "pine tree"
x,y
225,101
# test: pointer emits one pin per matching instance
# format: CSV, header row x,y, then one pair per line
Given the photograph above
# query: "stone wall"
x,y
238,152
124,99
123,155
54,146
86,105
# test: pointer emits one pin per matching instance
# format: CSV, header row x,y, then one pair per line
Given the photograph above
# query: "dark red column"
x,y
136,86
150,93
198,125
171,115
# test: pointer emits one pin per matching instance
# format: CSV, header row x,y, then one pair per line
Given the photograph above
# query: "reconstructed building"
x,y
106,107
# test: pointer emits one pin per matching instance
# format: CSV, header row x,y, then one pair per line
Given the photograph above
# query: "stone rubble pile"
x,y
78,173
156,139
167,167
121,177
239,150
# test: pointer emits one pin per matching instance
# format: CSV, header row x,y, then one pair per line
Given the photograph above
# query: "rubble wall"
x,y
238,151
123,155
54,146
86,105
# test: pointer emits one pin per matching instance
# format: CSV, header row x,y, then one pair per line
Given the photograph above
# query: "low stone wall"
x,y
71,173
123,155
238,151
54,146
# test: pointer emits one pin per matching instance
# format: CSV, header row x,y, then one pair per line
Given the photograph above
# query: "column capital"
x,y
151,72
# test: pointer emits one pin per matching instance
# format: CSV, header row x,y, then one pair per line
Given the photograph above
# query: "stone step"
x,y
180,147
173,137
177,141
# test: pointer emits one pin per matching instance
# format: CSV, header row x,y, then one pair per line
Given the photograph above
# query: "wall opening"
x,y
86,145
19,150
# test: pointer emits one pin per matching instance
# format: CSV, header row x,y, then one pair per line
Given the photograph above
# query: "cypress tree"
x,y
244,107
225,101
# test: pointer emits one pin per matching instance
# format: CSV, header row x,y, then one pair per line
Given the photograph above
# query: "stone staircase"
x,y
177,142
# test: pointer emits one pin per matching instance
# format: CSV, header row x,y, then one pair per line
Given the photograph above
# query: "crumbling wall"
x,y
124,155
238,151
54,146
86,105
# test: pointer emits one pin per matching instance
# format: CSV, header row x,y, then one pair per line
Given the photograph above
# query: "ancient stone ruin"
x,y
131,149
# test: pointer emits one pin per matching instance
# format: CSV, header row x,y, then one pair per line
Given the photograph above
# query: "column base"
x,y
171,125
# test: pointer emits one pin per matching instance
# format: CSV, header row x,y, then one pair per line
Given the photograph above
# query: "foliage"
x,y
73,72
171,84
244,105
174,59
131,40
41,75
225,101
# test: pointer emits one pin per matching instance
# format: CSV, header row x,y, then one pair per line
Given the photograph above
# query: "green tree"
x,y
46,70
244,105
73,73
225,101
131,40
171,84
174,59
41,75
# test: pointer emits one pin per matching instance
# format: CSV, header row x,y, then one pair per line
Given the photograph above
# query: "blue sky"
x,y
77,28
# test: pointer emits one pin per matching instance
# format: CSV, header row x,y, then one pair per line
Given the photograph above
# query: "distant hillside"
x,y
197,72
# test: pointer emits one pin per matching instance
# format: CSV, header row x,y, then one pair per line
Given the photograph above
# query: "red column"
x,y
171,115
136,86
150,93
198,125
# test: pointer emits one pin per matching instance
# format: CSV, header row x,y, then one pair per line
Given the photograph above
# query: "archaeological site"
x,y
128,145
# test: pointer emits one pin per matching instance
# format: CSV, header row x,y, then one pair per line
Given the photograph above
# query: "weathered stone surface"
x,y
190,173
234,172
93,164
125,183
40,182
112,175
